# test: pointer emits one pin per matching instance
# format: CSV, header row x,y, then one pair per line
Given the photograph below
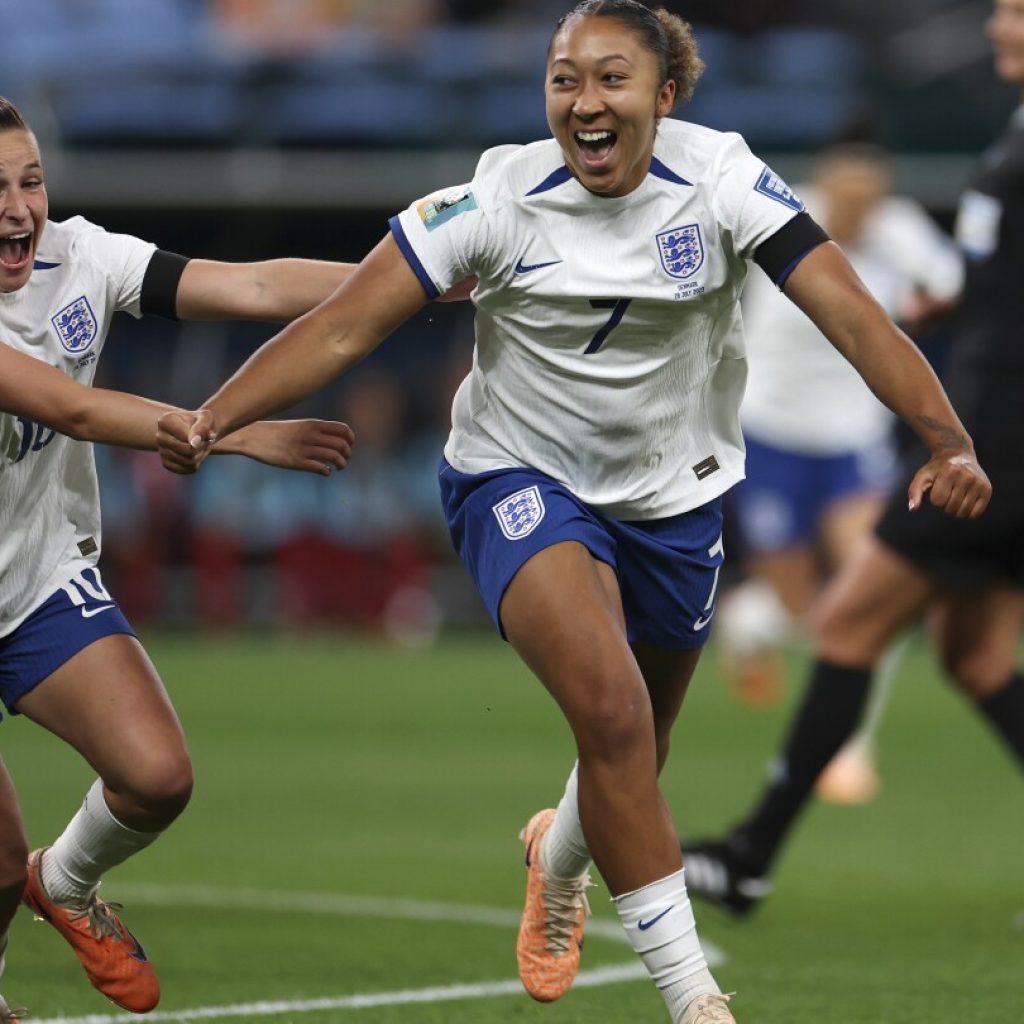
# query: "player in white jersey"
x,y
69,660
820,449
597,430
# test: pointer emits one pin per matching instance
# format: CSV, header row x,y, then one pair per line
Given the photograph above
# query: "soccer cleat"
x,y
715,874
113,959
551,930
7,1015
850,778
709,1008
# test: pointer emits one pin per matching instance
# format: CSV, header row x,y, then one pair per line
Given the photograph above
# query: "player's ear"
x,y
666,99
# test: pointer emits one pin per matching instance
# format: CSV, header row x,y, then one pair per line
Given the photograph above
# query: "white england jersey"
x,y
609,349
802,395
49,499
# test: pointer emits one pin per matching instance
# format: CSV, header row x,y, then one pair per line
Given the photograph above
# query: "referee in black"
x,y
966,574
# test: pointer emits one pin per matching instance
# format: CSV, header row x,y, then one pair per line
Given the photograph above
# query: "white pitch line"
x,y
341,905
264,900
436,994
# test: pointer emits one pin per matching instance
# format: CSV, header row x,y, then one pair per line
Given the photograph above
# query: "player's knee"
x,y
162,788
979,673
611,727
840,634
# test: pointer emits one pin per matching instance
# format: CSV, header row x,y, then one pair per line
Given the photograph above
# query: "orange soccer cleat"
x,y
551,930
7,1015
113,958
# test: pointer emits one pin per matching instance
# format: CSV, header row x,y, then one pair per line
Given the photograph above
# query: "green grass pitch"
x,y
353,834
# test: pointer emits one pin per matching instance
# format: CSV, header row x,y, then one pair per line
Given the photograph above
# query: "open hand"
x,y
312,446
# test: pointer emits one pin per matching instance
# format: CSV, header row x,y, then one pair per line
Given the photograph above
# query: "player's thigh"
x,y
563,614
109,703
872,597
844,522
667,674
977,634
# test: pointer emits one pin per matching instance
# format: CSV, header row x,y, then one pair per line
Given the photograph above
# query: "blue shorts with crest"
x,y
68,621
667,568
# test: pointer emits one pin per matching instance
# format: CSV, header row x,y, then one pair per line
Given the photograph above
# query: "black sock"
x,y
1005,712
828,716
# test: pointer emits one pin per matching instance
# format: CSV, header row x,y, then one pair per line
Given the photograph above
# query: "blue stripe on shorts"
x,y
667,568
66,623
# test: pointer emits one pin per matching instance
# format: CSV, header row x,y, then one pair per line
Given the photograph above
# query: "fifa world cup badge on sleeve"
x,y
439,209
75,325
519,513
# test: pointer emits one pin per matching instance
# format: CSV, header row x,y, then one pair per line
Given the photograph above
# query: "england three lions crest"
x,y
519,513
681,251
75,325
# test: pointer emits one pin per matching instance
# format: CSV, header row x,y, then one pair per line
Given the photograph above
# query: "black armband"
x,y
778,256
159,295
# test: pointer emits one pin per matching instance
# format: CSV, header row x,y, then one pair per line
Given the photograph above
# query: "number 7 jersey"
x,y
609,350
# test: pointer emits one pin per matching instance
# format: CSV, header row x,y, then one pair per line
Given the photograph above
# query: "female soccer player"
x,y
598,429
68,658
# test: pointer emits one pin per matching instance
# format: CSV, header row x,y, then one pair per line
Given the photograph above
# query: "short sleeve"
x,y
123,260
751,202
444,237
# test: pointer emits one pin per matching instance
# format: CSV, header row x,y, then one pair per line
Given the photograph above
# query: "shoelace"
x,y
715,1010
100,916
562,901
7,1014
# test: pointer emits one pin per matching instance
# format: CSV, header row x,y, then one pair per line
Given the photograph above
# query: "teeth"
x,y
593,136
15,238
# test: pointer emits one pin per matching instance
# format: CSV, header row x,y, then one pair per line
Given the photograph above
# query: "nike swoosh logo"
x,y
644,925
88,613
137,953
702,622
522,268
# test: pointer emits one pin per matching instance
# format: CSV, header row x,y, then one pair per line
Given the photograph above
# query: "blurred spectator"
x,y
280,28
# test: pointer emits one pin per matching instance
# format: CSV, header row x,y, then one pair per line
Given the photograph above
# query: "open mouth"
x,y
596,146
15,250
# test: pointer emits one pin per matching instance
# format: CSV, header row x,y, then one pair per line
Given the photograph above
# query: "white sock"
x,y
659,922
563,850
93,843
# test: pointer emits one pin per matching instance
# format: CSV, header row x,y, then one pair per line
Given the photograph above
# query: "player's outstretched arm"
x,y
274,291
316,348
827,289
39,392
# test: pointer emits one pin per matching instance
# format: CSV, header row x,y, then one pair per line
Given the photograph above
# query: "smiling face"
x,y
23,207
1005,28
604,96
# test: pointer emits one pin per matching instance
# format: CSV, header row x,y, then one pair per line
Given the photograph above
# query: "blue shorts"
x,y
66,623
782,499
667,568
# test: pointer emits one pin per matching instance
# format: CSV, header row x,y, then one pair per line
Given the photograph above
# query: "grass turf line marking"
x,y
265,900
436,994
337,904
